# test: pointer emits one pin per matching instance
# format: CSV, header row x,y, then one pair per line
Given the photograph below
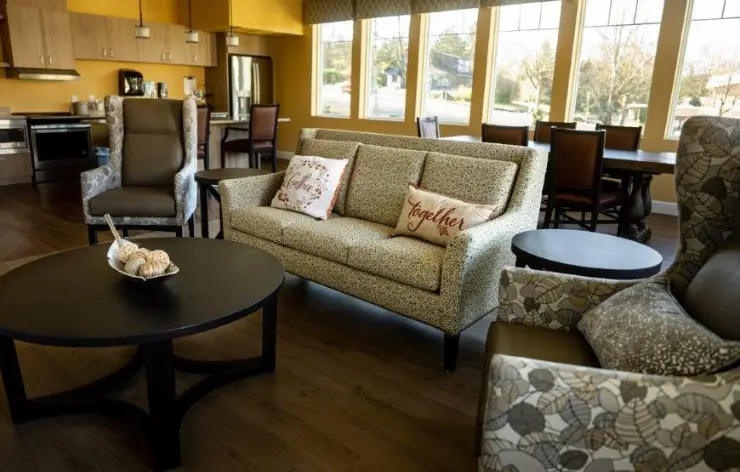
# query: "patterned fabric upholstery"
x,y
379,182
332,239
485,182
470,265
266,222
333,150
327,11
406,260
107,177
538,415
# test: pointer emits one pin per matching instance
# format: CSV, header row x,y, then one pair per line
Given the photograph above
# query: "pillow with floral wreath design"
x,y
310,186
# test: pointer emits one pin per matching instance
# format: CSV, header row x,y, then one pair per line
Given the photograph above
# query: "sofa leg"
x,y
191,226
452,345
92,235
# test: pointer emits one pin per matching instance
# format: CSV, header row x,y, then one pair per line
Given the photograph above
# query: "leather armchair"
x,y
545,403
149,181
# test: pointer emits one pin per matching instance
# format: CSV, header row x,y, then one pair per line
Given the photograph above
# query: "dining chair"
x,y
513,135
542,129
204,134
263,124
428,127
576,165
625,138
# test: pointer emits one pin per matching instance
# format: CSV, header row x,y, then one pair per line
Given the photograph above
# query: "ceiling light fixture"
x,y
190,35
232,40
142,31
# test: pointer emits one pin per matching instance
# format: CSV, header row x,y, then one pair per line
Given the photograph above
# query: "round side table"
x,y
207,181
584,253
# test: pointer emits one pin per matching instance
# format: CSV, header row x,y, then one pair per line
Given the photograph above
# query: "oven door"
x,y
13,136
54,146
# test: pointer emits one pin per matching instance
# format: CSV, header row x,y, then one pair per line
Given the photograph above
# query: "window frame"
x,y
318,73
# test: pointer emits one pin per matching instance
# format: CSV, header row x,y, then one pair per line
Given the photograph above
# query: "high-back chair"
x,y
542,387
204,134
574,183
149,181
263,125
625,138
514,135
542,129
428,127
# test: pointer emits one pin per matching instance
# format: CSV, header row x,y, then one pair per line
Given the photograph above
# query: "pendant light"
x,y
232,40
142,31
190,35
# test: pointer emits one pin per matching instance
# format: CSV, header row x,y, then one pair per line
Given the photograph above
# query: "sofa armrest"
x,y
96,181
551,300
247,192
547,416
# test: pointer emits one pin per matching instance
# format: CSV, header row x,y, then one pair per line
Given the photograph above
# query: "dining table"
x,y
637,169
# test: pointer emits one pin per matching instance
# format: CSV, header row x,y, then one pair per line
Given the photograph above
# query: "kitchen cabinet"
x,y
25,47
15,168
176,47
203,52
121,38
58,43
104,38
44,4
154,48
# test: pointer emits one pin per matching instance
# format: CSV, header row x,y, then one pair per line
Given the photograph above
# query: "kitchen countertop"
x,y
227,122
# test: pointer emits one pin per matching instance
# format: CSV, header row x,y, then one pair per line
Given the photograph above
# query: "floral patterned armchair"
x,y
546,405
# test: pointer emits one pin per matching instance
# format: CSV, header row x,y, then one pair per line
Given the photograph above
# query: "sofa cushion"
x,y
332,239
266,222
333,150
379,182
406,260
153,142
134,202
481,181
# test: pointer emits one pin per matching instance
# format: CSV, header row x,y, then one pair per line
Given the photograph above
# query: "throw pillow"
x,y
643,329
310,185
438,219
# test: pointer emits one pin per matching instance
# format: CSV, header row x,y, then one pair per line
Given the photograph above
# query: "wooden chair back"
x,y
513,135
542,129
263,122
577,162
428,127
625,138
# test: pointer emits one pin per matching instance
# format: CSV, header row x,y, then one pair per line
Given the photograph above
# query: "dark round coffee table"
x,y
75,299
585,253
207,181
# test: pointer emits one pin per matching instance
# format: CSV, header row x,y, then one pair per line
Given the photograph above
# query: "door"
x,y
121,35
199,53
26,37
154,48
176,46
89,36
58,42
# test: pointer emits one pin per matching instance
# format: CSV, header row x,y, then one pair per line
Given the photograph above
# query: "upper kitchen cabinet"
x,y
176,48
104,38
202,53
121,39
251,17
36,37
154,49
44,4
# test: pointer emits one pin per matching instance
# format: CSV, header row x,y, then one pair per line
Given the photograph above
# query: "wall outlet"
x,y
4,111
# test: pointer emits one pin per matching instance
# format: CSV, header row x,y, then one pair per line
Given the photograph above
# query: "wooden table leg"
x,y
632,224
203,210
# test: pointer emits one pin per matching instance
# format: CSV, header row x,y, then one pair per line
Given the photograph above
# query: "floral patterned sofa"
x,y
545,404
355,252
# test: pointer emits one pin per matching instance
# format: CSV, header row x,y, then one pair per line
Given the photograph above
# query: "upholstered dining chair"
x,y
428,127
204,134
263,125
574,182
547,405
542,129
514,135
625,138
149,181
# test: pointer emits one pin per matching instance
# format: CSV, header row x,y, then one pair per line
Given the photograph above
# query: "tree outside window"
x,y
527,37
616,65
448,83
388,44
335,69
710,76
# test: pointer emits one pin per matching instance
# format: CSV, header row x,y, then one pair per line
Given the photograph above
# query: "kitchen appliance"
x,y
162,90
130,83
250,83
13,133
61,146
31,73
15,155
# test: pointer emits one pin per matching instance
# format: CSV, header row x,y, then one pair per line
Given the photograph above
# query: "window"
x,y
388,58
334,69
616,65
524,63
710,78
448,75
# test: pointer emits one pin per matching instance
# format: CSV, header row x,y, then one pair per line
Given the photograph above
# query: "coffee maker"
x,y
130,83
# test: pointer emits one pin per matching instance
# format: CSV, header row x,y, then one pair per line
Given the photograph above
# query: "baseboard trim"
x,y
665,208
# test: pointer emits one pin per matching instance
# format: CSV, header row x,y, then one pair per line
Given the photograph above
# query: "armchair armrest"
x,y
186,194
96,181
547,416
247,192
550,300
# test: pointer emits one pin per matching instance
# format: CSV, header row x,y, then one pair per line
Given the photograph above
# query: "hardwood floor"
x,y
356,389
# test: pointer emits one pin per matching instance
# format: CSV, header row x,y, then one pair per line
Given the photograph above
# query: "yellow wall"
x,y
294,82
275,16
99,78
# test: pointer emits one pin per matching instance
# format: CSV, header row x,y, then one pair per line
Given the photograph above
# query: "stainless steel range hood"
x,y
29,73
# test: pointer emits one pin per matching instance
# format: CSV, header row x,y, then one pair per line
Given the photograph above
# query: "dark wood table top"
x,y
584,253
74,298
214,176
636,161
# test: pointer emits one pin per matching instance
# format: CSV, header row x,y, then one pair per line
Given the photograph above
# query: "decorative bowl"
x,y
113,261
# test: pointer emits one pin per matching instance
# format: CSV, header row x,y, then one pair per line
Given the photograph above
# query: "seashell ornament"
x,y
125,250
133,265
159,257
